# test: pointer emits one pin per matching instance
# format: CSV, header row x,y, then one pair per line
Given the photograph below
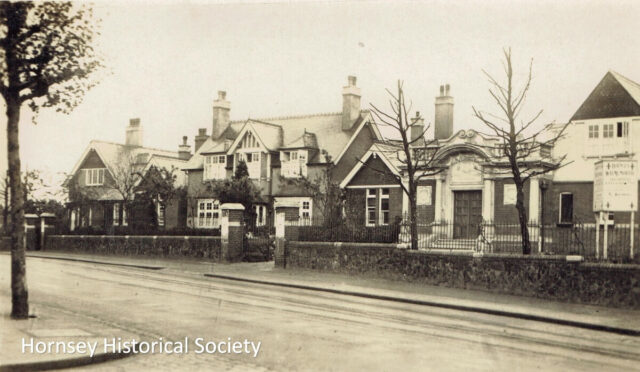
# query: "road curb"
x,y
444,305
146,267
45,365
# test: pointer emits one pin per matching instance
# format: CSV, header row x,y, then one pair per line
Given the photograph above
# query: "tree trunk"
x,y
19,294
413,210
5,210
522,217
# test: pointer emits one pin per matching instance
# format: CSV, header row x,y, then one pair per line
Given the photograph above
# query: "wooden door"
x,y
467,214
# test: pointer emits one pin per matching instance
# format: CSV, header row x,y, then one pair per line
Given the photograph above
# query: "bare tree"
x,y
415,154
125,176
46,57
523,147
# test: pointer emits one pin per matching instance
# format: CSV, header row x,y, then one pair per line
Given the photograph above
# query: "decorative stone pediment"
x,y
465,168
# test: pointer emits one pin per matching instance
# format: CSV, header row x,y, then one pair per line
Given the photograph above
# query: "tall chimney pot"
x,y
200,138
133,135
184,150
443,127
221,108
417,129
350,103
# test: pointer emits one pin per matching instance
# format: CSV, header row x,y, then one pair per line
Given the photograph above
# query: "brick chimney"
x,y
184,150
417,129
200,138
221,108
444,114
134,133
350,104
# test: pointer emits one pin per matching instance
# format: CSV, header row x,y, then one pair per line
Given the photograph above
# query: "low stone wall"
x,y
550,277
149,246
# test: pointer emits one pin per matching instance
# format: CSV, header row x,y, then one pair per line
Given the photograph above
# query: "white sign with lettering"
x,y
615,186
424,195
509,196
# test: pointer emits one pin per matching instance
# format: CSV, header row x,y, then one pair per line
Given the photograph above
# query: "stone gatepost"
x,y
231,232
46,227
280,256
31,232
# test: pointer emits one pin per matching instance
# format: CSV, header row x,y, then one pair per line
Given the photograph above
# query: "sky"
x,y
167,60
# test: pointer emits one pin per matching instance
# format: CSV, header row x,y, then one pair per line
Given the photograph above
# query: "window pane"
x,y
371,192
566,208
384,204
385,191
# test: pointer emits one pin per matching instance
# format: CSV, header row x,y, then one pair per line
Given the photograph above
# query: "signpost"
x,y
615,189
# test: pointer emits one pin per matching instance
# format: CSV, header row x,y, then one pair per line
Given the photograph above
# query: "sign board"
x,y
615,186
424,195
509,196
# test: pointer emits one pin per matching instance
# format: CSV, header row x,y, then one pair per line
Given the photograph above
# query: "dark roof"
x,y
614,96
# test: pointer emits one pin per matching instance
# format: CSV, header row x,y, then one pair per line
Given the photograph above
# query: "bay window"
x,y
252,160
293,163
215,167
208,214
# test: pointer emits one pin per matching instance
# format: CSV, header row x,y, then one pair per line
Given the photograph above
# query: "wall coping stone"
x,y
186,237
234,206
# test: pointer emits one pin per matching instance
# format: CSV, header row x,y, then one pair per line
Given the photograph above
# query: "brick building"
x,y
94,184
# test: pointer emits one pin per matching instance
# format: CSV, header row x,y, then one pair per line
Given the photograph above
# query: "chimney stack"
x,y
221,108
184,150
134,133
350,104
444,114
417,129
200,138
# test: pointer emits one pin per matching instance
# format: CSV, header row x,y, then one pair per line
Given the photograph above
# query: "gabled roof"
x,y
277,132
112,153
387,152
169,163
614,96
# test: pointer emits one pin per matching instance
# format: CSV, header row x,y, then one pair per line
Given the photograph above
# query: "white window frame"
x,y
94,176
261,214
381,212
125,221
204,207
594,131
215,167
308,209
116,214
560,208
161,213
367,207
624,130
608,131
293,163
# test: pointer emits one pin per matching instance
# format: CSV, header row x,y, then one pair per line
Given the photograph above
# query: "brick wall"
x,y
582,203
550,277
356,201
507,213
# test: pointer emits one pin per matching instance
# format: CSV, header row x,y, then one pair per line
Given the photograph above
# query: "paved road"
x,y
304,330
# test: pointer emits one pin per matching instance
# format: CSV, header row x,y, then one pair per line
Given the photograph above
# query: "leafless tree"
x,y
528,151
416,155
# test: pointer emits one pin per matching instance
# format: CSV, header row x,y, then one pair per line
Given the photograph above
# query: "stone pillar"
x,y
438,206
280,255
231,232
488,211
31,231
534,213
46,227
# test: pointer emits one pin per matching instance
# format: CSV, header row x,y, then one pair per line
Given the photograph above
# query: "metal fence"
x,y
484,236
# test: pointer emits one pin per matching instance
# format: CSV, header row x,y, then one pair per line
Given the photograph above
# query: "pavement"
x,y
305,320
22,342
621,321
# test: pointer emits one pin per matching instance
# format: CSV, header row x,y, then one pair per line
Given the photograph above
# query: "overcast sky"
x,y
167,60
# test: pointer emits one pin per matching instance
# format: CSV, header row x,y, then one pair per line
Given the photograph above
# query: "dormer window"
x,y
215,167
94,177
293,163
